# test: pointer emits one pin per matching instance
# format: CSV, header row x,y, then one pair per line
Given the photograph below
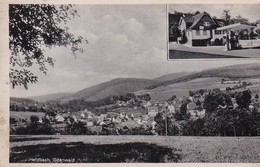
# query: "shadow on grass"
x,y
178,54
79,152
21,139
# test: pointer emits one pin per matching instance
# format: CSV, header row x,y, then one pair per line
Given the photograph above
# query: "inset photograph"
x,y
213,31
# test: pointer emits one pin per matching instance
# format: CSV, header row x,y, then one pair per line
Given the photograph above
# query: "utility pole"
x,y
166,128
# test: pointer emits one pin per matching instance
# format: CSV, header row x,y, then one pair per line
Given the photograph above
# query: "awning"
x,y
236,27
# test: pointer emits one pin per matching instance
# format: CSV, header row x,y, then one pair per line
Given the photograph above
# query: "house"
x,y
177,106
116,119
136,115
82,115
192,109
112,114
59,118
152,111
102,117
147,104
200,29
171,108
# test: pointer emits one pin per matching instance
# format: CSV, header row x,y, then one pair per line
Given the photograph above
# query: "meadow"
x,y
25,115
183,149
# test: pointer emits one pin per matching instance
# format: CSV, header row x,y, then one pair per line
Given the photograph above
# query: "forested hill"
x,y
231,72
121,86
118,86
26,101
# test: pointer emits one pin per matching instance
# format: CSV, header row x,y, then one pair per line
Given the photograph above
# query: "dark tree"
x,y
215,99
33,27
243,99
34,119
191,93
183,114
226,16
239,19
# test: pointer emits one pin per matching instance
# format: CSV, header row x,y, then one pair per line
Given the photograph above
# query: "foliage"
x,y
76,128
109,129
243,99
35,128
141,130
127,97
172,98
226,16
239,19
145,97
194,128
165,124
33,27
216,98
183,114
257,31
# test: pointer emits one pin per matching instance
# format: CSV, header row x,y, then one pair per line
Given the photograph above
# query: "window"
x,y
204,32
201,27
197,32
206,23
217,32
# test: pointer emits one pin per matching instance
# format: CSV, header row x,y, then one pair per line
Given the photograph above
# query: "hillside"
x,y
122,86
171,76
54,96
118,86
25,101
232,72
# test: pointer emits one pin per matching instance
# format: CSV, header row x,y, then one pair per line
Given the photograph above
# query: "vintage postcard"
x,y
87,83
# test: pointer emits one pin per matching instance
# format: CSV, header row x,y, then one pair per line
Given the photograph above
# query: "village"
x,y
135,113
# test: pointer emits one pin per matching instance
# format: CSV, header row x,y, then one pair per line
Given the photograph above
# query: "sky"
x,y
124,41
248,11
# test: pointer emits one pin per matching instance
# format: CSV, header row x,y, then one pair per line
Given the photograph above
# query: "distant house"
x,y
116,119
121,103
171,108
102,117
112,114
147,104
200,29
194,110
136,115
59,118
177,106
152,111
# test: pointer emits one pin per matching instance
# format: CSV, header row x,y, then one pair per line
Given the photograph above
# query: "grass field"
x,y
182,89
25,115
191,149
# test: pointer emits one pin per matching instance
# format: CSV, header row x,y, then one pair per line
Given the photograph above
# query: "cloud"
x,y
249,11
124,41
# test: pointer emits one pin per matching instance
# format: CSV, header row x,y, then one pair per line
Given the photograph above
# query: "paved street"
x,y
250,49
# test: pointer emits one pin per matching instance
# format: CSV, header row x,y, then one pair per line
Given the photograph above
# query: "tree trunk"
x,y
234,130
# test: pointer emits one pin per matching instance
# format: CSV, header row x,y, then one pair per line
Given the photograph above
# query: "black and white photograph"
x,y
208,31
97,83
